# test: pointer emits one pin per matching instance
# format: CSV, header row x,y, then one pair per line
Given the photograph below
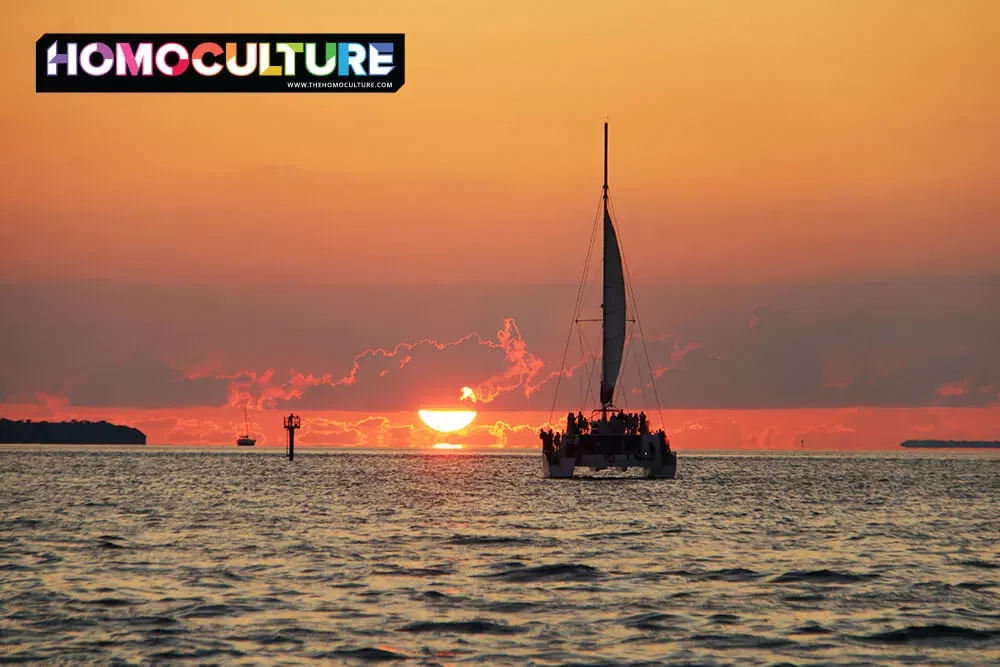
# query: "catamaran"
x,y
610,438
245,440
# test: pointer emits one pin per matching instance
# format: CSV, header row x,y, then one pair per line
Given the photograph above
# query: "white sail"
x,y
613,339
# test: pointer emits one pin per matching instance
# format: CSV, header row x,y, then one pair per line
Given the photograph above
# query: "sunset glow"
x,y
565,332
804,194
447,421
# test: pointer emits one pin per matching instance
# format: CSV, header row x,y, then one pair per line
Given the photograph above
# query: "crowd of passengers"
x,y
621,423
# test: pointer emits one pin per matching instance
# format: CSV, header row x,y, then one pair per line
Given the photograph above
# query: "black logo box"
x,y
192,82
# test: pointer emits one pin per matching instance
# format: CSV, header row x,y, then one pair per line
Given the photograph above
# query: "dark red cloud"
x,y
909,344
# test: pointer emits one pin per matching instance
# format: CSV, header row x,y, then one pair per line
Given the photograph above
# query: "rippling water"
x,y
240,556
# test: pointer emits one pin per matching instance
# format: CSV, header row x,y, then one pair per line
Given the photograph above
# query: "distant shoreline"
x,y
27,432
951,444
77,444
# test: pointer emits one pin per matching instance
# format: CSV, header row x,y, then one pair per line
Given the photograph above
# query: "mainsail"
x,y
613,320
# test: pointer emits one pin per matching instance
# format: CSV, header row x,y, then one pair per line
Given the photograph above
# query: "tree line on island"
x,y
68,433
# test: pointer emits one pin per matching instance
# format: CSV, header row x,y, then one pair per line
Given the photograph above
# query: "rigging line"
x,y
579,337
581,293
591,374
642,385
642,336
584,291
598,224
576,307
588,394
621,374
635,306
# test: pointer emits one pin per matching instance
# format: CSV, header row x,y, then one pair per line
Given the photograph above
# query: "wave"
x,y
735,640
804,598
650,621
811,628
557,572
728,574
476,540
508,607
111,602
725,619
395,571
196,654
932,633
109,544
270,638
154,621
433,596
15,567
22,659
975,585
215,610
367,654
821,577
476,627
985,564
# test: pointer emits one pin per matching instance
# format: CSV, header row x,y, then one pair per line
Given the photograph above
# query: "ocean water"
x,y
119,556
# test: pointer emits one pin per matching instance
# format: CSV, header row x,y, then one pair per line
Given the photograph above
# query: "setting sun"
x,y
446,421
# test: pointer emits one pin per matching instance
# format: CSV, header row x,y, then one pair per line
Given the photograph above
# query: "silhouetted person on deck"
x,y
570,423
546,441
643,424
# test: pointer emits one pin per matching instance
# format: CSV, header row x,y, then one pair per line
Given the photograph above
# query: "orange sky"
x,y
783,143
812,429
750,142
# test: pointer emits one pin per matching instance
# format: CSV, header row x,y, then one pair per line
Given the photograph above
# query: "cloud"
x,y
146,383
152,346
199,431
425,372
816,359
958,388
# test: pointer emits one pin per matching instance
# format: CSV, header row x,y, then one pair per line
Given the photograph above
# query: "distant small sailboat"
x,y
246,440
610,439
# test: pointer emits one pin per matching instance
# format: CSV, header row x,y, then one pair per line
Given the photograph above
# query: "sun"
x,y
446,421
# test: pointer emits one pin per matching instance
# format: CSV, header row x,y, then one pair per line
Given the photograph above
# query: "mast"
x,y
604,273
605,190
613,304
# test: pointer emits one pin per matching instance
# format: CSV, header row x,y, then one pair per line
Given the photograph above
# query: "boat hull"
x,y
657,461
557,467
246,442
